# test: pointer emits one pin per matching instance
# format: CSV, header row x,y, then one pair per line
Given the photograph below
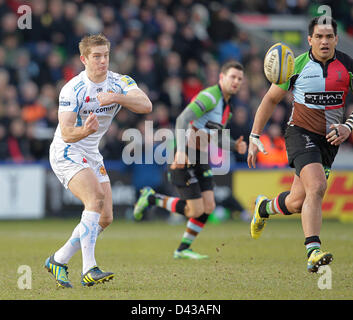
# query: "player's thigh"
x,y
86,187
107,211
208,201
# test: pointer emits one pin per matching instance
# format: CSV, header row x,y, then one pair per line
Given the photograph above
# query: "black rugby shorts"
x,y
305,147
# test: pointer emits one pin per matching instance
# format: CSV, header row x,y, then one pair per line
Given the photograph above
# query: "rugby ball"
x,y
279,63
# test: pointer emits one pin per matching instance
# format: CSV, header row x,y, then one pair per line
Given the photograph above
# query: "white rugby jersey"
x,y
80,95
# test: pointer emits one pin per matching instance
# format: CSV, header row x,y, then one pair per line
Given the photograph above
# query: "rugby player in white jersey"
x,y
87,105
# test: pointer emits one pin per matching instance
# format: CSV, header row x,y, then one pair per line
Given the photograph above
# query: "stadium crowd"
x,y
172,49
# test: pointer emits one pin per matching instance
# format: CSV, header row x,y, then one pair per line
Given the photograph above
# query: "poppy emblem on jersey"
x,y
84,160
87,99
102,171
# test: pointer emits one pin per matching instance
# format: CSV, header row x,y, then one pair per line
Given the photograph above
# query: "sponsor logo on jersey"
x,y
89,99
102,171
329,98
310,77
100,109
128,80
64,103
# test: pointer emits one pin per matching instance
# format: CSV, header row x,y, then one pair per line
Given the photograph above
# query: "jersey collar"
x,y
224,100
311,56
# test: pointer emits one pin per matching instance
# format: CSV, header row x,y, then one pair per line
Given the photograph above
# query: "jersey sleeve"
x,y
126,83
299,64
285,86
203,103
68,99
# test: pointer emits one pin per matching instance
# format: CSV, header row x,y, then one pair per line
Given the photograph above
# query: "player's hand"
x,y
106,98
180,160
91,125
338,134
255,146
240,145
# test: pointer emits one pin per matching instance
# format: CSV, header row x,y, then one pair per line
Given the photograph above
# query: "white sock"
x,y
66,252
71,246
88,229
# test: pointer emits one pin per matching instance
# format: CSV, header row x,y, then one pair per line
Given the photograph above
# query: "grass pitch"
x,y
239,268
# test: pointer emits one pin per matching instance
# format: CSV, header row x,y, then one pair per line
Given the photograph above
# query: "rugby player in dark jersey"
x,y
190,172
320,84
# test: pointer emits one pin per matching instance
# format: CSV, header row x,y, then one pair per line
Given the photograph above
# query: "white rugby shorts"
x,y
67,160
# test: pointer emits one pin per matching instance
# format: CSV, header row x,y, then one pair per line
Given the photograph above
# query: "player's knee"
x,y
209,206
295,206
194,211
105,221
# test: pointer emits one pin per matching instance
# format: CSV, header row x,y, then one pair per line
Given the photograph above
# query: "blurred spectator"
x,y
89,19
254,73
161,116
172,96
274,144
279,117
221,27
191,86
200,21
27,69
18,144
52,69
240,125
173,49
144,74
212,73
4,152
112,144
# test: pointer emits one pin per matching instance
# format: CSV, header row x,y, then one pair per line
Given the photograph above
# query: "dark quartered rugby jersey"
x,y
319,91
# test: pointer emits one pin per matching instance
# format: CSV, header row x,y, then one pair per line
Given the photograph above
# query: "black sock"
x,y
262,209
312,243
152,199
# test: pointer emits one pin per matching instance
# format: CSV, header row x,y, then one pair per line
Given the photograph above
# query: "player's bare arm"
x,y
70,133
273,96
135,100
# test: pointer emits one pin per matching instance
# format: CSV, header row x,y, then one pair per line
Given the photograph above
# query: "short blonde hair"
x,y
87,42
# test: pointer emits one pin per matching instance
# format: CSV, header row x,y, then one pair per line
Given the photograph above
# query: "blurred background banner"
x,y
172,49
338,200
22,192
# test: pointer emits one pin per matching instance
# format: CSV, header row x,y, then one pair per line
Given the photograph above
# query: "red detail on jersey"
x,y
225,116
87,99
84,160
337,80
